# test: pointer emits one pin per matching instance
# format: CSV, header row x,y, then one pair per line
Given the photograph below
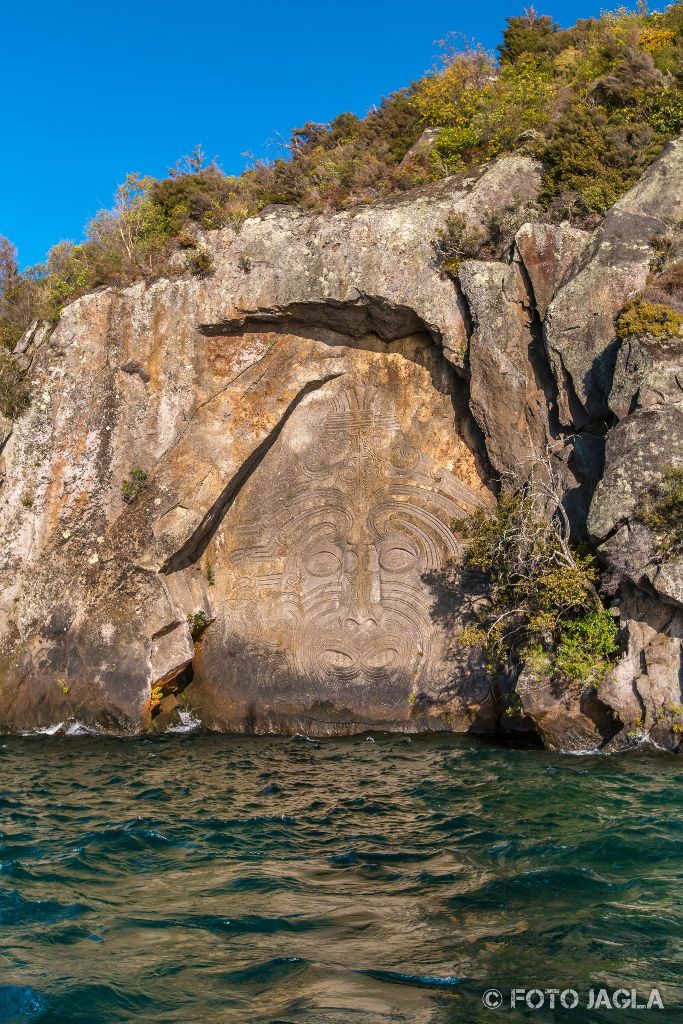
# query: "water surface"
x,y
345,881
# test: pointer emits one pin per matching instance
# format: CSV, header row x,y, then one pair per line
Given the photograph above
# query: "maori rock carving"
x,y
320,570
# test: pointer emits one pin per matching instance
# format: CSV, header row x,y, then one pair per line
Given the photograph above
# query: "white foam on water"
x,y
76,728
47,730
71,727
188,723
647,741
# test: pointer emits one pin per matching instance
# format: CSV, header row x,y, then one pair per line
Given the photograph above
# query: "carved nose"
x,y
359,620
361,585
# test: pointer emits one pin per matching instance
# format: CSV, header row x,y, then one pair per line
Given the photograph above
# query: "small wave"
x,y
16,910
47,730
268,972
418,980
93,1001
70,727
20,1003
647,741
77,728
250,924
638,744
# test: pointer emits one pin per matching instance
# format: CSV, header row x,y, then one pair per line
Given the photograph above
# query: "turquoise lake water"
x,y
345,881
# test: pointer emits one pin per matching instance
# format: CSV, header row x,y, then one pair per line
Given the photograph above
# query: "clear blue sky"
x,y
94,90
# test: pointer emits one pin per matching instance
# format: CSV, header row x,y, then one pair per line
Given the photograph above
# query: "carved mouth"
x,y
363,656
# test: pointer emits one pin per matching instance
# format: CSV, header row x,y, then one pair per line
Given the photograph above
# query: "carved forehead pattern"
x,y
359,474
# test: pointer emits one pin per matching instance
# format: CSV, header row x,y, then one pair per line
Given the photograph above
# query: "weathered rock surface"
x,y
563,720
613,267
647,397
240,494
548,253
501,363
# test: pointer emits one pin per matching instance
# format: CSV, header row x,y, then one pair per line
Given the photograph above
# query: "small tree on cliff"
x,y
542,602
530,33
17,296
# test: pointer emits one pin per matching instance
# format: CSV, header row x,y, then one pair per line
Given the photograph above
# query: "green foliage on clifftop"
x,y
594,103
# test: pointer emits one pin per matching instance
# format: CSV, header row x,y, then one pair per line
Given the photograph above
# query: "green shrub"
x,y
458,241
133,486
542,606
612,126
637,729
17,297
596,154
530,34
664,246
482,112
199,197
661,508
586,646
641,317
515,707
197,623
666,113
200,262
670,281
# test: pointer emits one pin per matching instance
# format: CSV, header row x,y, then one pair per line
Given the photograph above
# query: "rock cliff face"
x,y
242,492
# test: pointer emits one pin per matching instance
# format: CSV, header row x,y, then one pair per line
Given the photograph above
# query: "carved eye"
x,y
382,658
324,562
398,557
338,659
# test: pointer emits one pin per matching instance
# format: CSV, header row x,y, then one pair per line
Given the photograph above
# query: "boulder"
x,y
560,716
645,687
548,253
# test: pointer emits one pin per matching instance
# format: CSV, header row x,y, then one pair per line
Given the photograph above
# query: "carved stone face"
x,y
329,555
365,611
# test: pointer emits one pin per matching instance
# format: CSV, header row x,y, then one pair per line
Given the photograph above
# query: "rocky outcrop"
x,y
502,361
241,493
614,266
647,399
